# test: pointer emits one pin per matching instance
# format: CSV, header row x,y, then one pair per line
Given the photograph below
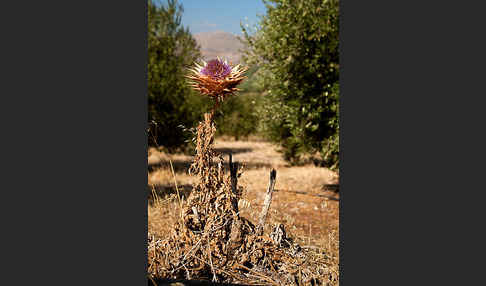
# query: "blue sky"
x,y
225,15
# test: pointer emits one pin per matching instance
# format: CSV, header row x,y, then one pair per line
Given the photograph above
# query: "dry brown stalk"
x,y
266,203
233,173
177,189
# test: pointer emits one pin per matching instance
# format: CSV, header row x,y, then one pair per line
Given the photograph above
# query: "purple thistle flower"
x,y
216,69
216,78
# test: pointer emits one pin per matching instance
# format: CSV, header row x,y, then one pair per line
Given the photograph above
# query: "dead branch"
x,y
234,174
196,215
234,180
266,203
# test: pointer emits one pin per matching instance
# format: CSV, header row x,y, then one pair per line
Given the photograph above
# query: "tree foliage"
x,y
296,49
171,103
237,116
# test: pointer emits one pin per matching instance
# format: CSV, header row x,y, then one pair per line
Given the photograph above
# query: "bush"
x,y
296,48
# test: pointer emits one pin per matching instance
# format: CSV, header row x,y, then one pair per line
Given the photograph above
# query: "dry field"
x,y
305,200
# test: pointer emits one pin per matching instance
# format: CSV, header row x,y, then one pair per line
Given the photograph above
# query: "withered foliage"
x,y
211,241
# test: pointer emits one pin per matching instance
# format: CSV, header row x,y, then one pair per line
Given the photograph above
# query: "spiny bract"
x,y
216,78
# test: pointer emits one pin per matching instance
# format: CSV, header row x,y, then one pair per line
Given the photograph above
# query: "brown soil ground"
x,y
305,198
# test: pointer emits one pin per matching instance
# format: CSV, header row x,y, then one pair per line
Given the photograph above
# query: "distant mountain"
x,y
219,43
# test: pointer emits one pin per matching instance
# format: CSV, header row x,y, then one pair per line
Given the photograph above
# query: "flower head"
x,y
216,69
216,78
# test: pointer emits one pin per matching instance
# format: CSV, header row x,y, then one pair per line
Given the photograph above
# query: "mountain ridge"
x,y
219,44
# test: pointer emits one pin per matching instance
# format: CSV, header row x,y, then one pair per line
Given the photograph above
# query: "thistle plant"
x,y
218,80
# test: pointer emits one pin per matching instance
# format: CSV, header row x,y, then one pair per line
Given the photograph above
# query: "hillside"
x,y
219,43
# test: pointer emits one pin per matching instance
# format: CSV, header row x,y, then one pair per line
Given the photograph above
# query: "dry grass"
x,y
309,212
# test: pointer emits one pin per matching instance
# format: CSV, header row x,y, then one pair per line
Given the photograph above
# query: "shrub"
x,y
296,48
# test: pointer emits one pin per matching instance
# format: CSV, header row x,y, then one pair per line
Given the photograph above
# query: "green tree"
x,y
171,49
296,49
236,116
